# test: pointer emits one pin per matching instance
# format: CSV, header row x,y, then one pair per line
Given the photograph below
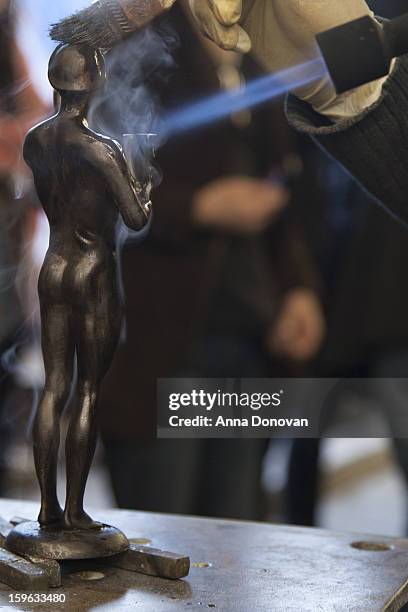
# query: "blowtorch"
x,y
361,51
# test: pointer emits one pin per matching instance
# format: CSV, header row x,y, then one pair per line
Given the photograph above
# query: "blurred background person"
x,y
20,106
363,254
223,286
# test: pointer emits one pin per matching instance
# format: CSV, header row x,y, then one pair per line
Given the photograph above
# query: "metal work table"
x,y
236,566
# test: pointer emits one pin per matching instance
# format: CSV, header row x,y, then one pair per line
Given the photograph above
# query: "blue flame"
x,y
255,92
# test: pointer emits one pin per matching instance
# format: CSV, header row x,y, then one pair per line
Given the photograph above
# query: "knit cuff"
x,y
372,146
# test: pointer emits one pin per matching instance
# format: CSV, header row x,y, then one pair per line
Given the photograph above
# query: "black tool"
x,y
361,51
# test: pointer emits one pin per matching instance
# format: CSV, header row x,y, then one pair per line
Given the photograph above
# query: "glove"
x,y
282,34
218,20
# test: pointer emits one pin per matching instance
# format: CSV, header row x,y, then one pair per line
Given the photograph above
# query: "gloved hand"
x,y
218,20
282,33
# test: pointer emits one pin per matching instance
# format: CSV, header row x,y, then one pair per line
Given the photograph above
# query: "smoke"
x,y
130,104
129,109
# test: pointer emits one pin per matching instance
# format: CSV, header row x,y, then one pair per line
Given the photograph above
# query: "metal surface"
x,y
20,573
29,539
50,567
84,186
152,562
70,546
361,51
239,567
355,53
73,69
5,528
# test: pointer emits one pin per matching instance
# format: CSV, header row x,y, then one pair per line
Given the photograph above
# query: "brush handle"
x,y
141,12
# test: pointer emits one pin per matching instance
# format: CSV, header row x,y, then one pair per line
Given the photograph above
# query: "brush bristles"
x,y
101,25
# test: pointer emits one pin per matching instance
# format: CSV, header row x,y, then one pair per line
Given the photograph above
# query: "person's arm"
x,y
299,327
282,34
366,130
372,146
289,40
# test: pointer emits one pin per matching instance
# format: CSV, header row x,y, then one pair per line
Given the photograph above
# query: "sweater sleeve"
x,y
372,146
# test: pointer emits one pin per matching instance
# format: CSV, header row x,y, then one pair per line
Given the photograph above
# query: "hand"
x,y
300,328
281,31
239,204
218,20
282,35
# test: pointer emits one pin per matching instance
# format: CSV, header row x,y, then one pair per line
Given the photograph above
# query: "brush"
x,y
106,23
